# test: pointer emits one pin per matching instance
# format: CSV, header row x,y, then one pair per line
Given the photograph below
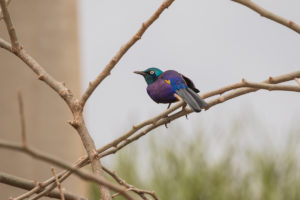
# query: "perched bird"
x,y
170,86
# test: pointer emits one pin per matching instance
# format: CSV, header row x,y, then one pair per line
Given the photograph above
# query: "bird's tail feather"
x,y
199,100
192,99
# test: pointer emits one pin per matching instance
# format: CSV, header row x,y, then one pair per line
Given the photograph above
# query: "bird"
x,y
170,86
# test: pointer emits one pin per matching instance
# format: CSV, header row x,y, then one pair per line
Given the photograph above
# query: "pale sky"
x,y
215,43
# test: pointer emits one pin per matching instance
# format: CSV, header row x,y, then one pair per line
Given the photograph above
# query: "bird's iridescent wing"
x,y
190,83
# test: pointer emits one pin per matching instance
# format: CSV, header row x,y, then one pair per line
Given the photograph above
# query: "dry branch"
x,y
29,184
106,71
1,14
272,16
138,191
11,30
62,197
37,154
22,119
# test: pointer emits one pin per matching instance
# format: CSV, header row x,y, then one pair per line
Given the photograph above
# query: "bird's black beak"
x,y
140,72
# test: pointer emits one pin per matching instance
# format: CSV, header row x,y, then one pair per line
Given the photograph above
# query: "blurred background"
x,y
246,148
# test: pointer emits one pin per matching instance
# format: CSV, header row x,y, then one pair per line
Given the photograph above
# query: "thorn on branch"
x,y
138,37
221,99
134,127
271,79
63,93
74,123
114,60
41,77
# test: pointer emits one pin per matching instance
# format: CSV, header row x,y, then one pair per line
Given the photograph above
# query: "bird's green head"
x,y
150,74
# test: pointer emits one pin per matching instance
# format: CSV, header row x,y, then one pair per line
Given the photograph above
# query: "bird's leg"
x,y
168,121
180,99
183,108
169,105
186,116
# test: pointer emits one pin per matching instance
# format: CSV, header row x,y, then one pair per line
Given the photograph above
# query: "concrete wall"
x,y
48,31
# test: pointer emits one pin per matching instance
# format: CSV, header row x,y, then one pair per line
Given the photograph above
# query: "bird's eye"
x,y
151,72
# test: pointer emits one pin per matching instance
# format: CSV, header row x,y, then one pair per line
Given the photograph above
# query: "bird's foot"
x,y
167,122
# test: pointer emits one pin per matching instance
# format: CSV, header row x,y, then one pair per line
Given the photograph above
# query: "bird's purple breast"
x,y
161,92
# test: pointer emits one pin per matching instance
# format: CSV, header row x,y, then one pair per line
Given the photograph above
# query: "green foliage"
x,y
179,168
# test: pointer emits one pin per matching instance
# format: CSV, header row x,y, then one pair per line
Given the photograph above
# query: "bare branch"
x,y
57,86
1,15
22,119
130,187
11,30
62,197
106,71
265,13
50,159
29,184
5,45
271,87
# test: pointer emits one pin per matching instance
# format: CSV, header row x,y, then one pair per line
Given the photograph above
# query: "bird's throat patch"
x,y
168,81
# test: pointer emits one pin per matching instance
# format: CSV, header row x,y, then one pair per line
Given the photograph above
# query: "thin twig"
x,y
11,30
272,16
43,75
271,87
106,71
1,15
62,197
22,119
51,181
128,186
29,184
